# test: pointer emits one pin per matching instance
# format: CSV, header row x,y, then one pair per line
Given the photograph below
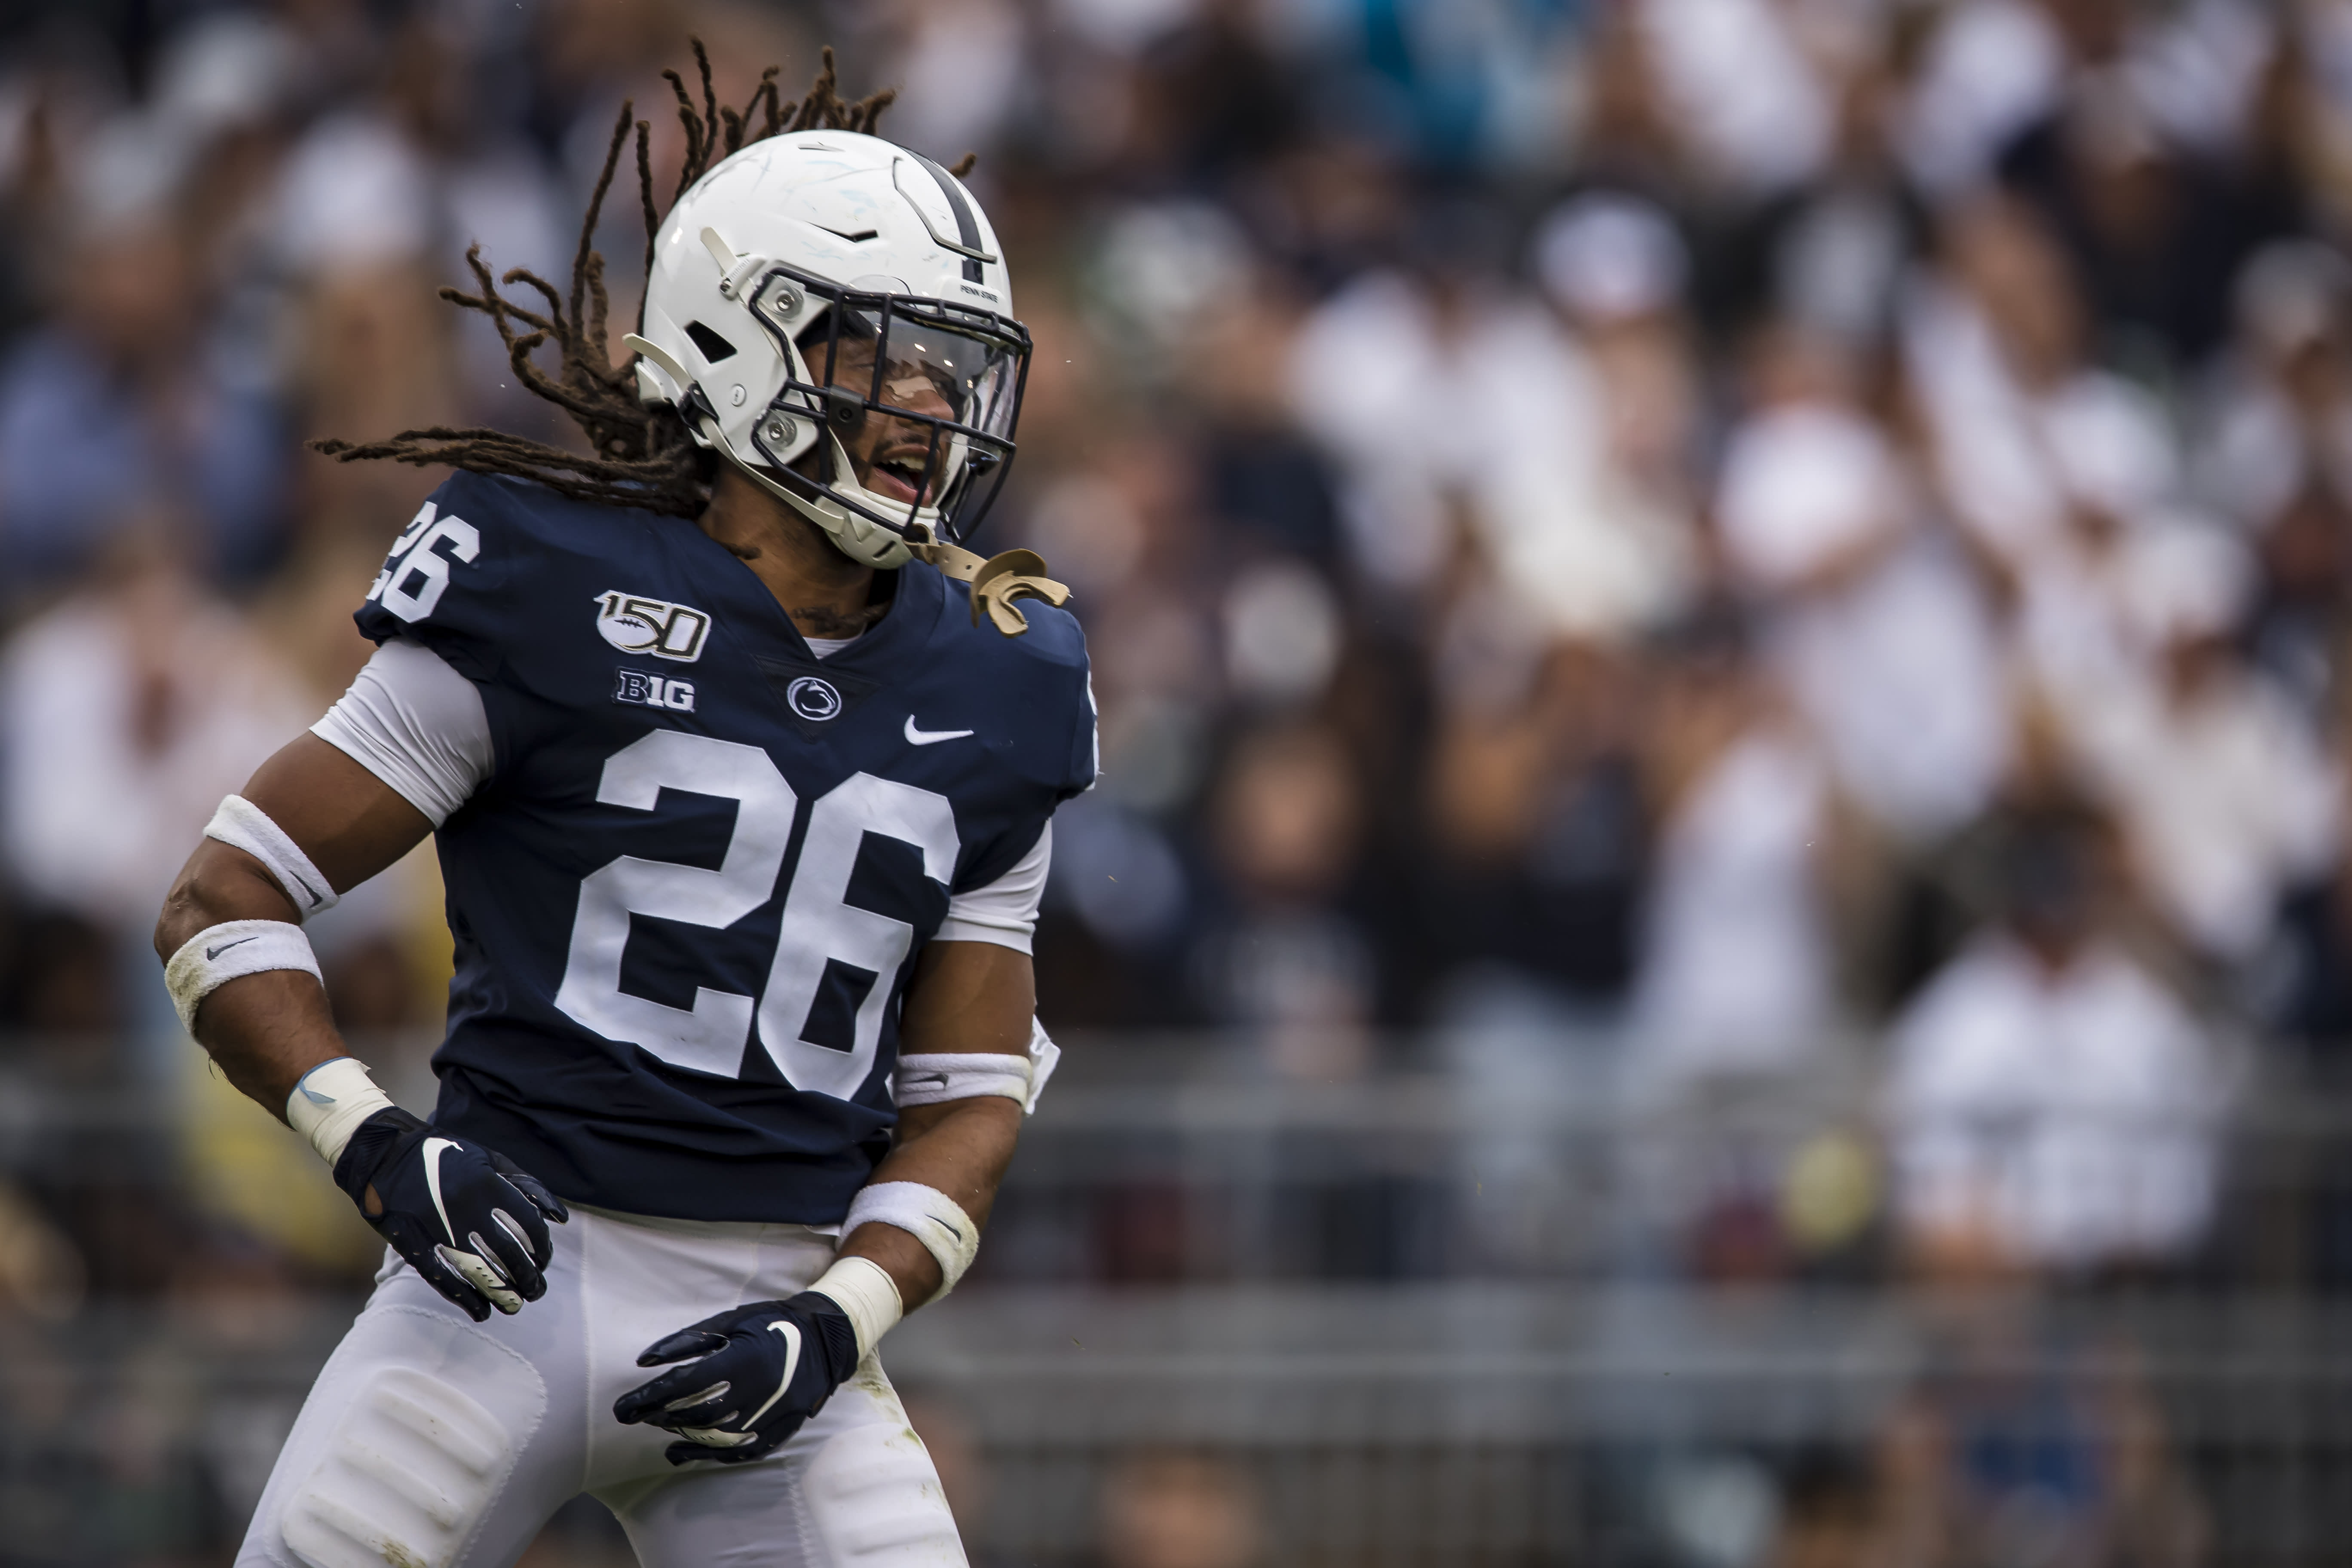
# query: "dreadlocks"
x,y
639,454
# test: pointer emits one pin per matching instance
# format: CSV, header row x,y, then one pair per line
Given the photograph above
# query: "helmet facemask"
x,y
902,409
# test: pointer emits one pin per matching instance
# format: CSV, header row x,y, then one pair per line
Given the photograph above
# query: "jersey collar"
x,y
756,619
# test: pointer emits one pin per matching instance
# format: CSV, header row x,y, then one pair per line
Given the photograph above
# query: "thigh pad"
x,y
404,1479
873,1497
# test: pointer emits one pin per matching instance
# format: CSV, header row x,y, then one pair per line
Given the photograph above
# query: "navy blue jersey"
x,y
686,900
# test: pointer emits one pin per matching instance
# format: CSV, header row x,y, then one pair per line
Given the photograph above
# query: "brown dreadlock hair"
x,y
639,454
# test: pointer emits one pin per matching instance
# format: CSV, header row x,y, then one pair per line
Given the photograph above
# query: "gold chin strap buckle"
x,y
995,581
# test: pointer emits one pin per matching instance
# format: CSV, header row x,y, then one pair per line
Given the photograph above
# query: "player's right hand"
x,y
467,1218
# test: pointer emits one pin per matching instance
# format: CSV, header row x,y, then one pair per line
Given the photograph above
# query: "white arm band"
x,y
863,1288
219,955
928,1215
331,1101
932,1078
241,825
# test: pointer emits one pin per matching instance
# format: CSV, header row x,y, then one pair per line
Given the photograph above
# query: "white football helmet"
x,y
833,297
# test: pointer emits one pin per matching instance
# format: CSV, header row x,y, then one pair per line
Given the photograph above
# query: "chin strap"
x,y
996,581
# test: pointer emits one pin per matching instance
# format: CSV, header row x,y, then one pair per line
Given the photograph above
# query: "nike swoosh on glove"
x,y
759,1372
467,1218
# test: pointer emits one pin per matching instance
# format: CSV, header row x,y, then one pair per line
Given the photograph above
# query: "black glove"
x,y
762,1370
467,1218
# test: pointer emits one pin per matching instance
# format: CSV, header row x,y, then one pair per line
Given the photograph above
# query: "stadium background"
x,y
1717,930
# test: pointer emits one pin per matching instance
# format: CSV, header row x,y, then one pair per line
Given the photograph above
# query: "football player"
x,y
741,773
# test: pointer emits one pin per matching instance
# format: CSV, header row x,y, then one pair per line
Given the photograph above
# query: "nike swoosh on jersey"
x,y
214,952
433,1149
931,737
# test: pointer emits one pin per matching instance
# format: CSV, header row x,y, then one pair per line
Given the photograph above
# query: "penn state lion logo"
x,y
636,624
813,698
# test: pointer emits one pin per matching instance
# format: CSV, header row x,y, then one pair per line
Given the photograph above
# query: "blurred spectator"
x,y
1874,625
121,416
2304,988
2052,1105
67,982
1453,390
2151,236
2062,1457
1739,86
2276,459
1536,809
126,713
1286,958
1164,1509
1738,974
2223,794
42,1273
1828,1511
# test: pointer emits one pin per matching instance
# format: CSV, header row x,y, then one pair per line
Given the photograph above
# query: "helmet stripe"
x,y
967,225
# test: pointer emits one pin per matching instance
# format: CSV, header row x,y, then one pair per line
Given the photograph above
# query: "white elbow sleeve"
x,y
219,955
928,1215
241,825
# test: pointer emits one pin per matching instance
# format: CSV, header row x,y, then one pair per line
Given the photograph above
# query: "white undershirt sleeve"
x,y
416,724
1004,912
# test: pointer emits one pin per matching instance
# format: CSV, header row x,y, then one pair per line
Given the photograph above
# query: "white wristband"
x,y
241,825
331,1101
928,1215
864,1290
219,955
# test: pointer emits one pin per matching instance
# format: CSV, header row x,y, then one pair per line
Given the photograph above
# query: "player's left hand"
x,y
759,1371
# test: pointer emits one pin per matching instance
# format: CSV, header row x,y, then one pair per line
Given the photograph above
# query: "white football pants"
x,y
430,1441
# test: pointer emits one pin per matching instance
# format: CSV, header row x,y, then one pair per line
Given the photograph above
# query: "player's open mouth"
x,y
899,476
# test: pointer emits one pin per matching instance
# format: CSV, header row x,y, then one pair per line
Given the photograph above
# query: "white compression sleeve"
x,y
241,825
928,1215
1004,912
416,724
230,950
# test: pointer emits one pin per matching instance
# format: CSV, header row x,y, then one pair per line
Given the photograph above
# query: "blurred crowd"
x,y
1643,547
1642,542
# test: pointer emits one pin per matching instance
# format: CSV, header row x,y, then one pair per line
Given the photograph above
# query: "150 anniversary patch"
x,y
636,624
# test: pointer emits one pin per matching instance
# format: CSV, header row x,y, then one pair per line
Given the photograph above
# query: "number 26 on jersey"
x,y
417,571
821,930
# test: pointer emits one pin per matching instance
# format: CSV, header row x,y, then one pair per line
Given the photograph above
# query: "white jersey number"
x,y
821,929
416,573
